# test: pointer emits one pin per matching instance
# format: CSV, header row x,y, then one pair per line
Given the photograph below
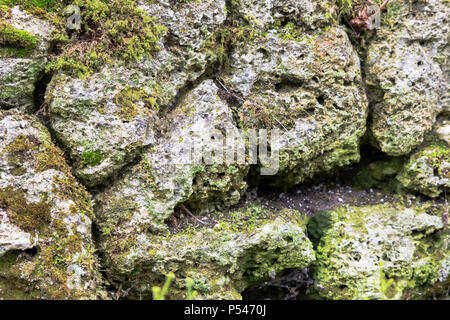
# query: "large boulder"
x,y
309,87
46,248
237,250
407,74
24,47
107,119
381,252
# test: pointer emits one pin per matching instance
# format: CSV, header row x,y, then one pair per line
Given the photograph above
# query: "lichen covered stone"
x,y
222,260
310,89
173,171
106,119
24,44
380,252
132,214
46,247
407,74
427,170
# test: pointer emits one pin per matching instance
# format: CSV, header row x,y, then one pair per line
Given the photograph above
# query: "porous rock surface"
x,y
407,74
135,133
308,88
380,252
18,71
46,247
112,114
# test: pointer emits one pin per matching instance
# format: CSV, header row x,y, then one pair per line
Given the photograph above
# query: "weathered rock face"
x,y
106,119
310,88
380,252
133,211
46,248
171,172
306,14
102,122
425,171
23,54
241,250
152,139
407,74
428,169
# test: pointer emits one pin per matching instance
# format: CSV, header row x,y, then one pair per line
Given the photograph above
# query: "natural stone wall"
x,y
407,74
310,88
145,86
240,250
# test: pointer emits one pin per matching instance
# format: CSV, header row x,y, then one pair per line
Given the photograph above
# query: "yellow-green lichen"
x,y
27,215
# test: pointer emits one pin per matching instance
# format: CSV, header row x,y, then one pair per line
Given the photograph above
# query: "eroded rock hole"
x,y
40,87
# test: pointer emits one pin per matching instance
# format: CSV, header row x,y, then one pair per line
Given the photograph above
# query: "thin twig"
x,y
182,206
384,4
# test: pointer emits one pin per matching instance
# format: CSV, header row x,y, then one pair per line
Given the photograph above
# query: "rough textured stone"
x,y
222,261
407,74
102,122
310,88
305,14
380,252
83,111
131,214
19,72
46,248
172,172
428,169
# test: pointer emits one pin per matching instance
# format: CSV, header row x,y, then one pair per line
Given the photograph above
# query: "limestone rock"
x,y
21,67
131,214
305,14
407,74
309,88
46,248
190,23
172,171
103,122
380,252
428,169
222,260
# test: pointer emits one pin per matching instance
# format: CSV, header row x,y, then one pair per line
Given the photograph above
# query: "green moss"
x,y
20,150
5,11
342,243
91,158
29,216
129,98
47,5
12,286
12,37
426,171
51,157
116,28
67,188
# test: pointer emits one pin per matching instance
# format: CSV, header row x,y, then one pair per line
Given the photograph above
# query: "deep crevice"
x,y
40,88
291,284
